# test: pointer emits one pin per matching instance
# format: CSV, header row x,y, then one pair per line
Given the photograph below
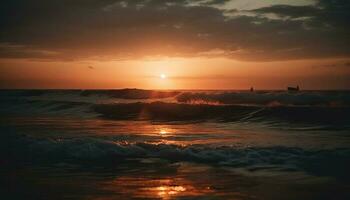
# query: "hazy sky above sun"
x,y
175,44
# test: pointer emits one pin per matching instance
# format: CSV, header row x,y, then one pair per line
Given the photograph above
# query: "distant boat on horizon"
x,y
293,89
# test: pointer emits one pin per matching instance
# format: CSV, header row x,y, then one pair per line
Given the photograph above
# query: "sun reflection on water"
x,y
166,191
158,188
163,132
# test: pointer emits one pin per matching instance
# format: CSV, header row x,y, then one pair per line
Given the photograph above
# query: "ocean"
x,y
148,144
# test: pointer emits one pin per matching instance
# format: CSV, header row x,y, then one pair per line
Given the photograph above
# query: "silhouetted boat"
x,y
293,89
251,89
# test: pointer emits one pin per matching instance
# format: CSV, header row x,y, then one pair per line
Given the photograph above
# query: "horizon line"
x,y
127,88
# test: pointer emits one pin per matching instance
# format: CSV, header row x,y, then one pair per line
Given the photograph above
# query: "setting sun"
x,y
163,76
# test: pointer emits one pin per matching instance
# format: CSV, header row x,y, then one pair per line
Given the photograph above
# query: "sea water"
x,y
143,144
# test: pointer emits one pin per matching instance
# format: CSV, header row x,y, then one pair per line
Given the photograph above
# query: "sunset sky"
x,y
194,44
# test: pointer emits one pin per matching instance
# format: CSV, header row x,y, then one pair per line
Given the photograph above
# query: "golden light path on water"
x,y
164,131
171,133
165,191
167,173
159,188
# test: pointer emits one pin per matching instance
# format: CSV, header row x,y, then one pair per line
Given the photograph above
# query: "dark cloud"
x,y
290,11
116,29
216,2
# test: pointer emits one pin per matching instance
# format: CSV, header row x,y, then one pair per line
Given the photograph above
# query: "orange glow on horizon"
x,y
173,73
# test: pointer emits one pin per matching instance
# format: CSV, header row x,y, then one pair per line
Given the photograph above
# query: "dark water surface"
x,y
139,144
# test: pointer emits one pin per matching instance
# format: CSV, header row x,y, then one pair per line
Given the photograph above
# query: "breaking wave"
x,y
97,151
121,94
262,98
329,117
328,110
270,98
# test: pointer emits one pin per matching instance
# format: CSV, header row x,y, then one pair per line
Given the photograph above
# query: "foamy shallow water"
x,y
99,147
